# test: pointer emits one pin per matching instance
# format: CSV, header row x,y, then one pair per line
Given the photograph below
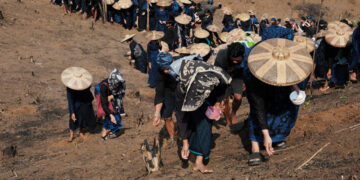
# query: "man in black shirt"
x,y
165,94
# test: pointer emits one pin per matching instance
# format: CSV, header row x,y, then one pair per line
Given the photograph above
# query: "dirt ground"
x,y
37,42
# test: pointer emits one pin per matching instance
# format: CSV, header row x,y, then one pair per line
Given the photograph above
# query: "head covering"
x,y
306,42
164,60
287,19
164,3
153,1
127,37
109,2
76,78
280,62
182,50
320,34
273,19
251,12
213,28
124,4
264,16
292,19
183,19
235,35
227,11
243,17
200,48
155,35
164,46
338,36
185,1
223,36
116,6
201,33
118,91
308,17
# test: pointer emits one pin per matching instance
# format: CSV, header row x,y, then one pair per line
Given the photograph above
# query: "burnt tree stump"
x,y
151,157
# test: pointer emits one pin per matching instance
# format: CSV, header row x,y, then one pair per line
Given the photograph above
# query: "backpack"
x,y
99,110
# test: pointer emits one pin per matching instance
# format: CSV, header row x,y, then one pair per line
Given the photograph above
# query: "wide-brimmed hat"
x,y
109,2
335,24
306,42
182,50
127,37
174,54
227,11
320,34
264,16
255,37
164,46
223,36
280,62
213,28
153,1
235,35
76,78
243,17
116,6
155,35
338,36
251,12
201,33
185,1
164,3
183,19
124,4
200,48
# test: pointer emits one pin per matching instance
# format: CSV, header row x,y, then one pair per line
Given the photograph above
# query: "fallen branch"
x,y
317,152
351,127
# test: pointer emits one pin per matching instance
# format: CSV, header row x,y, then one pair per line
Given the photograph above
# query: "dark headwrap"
x,y
164,60
117,90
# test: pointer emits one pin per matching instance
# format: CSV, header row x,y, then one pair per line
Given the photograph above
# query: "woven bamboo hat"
x,y
280,62
185,1
251,12
255,37
164,3
201,33
183,19
116,6
164,46
306,42
227,11
200,48
320,34
243,17
338,36
153,1
264,16
213,28
335,24
155,35
109,2
127,37
223,36
235,35
182,50
124,4
76,78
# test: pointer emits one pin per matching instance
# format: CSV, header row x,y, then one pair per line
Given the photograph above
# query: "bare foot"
x,y
71,138
202,168
323,89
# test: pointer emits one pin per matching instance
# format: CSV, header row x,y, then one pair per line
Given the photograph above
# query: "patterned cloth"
x,y
275,31
197,79
117,90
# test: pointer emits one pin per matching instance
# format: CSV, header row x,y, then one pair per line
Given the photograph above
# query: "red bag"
x,y
99,110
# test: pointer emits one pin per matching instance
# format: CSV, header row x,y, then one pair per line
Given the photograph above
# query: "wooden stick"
x,y
351,127
317,152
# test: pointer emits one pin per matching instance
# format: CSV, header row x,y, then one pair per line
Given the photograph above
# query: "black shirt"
x,y
165,85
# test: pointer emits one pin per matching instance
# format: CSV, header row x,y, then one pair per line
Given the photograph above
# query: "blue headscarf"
x,y
164,60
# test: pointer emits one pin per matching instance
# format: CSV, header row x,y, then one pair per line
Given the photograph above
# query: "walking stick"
x,y
314,65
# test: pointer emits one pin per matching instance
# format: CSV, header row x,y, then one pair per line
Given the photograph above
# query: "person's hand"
x,y
296,88
185,149
110,98
156,120
268,145
149,65
129,58
112,119
244,87
125,21
73,117
329,74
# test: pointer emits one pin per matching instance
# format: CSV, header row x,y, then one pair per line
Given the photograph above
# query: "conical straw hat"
x,y
235,35
200,48
223,36
213,28
155,35
320,34
164,46
164,3
280,62
227,11
264,16
185,1
201,33
183,19
338,36
76,78
116,6
255,37
182,50
109,2
243,17
125,4
306,42
127,37
153,1
251,13
174,54
335,24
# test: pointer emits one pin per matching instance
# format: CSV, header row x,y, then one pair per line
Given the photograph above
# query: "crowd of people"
x,y
200,71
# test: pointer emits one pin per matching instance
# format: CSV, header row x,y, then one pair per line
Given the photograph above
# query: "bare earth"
x,y
37,42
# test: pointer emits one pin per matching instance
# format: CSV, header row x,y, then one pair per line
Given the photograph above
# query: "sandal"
x,y
105,137
283,146
255,159
324,89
